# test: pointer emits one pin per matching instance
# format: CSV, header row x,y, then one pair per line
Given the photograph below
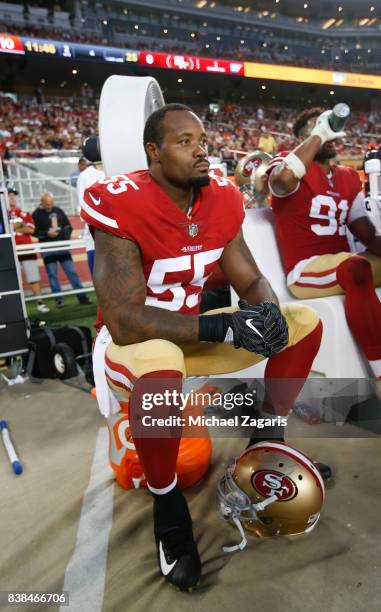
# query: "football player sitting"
x,y
159,233
314,201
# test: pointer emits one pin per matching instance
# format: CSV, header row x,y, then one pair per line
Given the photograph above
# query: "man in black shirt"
x,y
53,225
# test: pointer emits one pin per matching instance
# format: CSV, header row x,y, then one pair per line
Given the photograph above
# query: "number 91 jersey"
x,y
312,220
178,252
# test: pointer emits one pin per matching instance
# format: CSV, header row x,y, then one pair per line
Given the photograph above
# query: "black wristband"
x,y
213,328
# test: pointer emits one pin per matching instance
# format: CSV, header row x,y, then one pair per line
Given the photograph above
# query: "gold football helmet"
x,y
247,175
271,489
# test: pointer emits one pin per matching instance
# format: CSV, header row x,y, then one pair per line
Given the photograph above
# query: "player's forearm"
x,y
283,180
259,291
136,324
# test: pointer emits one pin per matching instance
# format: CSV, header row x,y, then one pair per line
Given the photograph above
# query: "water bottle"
x,y
339,116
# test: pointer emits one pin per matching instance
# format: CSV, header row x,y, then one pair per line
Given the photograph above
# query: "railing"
x,y
31,184
46,247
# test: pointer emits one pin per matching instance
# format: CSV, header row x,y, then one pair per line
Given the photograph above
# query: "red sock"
x,y
362,306
287,371
156,446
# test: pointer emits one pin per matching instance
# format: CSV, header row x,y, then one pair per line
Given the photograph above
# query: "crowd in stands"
x,y
270,51
28,125
35,128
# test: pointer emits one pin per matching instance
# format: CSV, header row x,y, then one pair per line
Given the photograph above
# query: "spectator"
x,y
82,165
267,142
23,227
52,225
88,177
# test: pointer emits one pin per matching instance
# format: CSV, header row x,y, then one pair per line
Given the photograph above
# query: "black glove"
x,y
259,329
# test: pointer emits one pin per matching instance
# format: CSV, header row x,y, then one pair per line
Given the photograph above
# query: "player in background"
x,y
314,202
90,175
158,235
24,228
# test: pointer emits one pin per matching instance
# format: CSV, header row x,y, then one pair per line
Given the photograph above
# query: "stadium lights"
x,y
179,80
136,26
371,9
74,71
332,93
327,24
277,1
207,46
165,31
263,87
305,5
242,42
192,34
264,44
339,8
218,37
104,22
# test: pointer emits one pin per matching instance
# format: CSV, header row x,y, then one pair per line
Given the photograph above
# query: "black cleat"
x,y
324,469
179,559
177,553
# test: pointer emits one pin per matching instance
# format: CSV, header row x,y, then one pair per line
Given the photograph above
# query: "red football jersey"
x,y
312,220
178,252
16,215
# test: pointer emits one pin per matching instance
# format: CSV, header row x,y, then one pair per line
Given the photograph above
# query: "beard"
x,y
199,181
325,154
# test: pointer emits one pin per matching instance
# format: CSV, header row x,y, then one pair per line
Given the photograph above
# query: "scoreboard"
x,y
28,46
22,45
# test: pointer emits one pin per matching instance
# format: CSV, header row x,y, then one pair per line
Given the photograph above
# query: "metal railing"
x,y
46,247
31,184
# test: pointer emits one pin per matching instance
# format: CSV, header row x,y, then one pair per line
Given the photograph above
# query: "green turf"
x,y
72,313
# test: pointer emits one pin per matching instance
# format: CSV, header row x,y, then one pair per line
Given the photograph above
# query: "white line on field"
x,y
86,571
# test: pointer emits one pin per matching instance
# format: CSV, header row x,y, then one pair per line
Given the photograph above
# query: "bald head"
x,y
47,200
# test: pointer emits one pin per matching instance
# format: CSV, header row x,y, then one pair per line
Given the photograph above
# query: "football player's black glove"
x,y
259,329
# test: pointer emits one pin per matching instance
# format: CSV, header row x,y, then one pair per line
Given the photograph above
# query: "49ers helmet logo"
x,y
251,164
268,482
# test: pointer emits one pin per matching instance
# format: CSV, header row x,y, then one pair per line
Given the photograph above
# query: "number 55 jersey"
x,y
178,251
313,220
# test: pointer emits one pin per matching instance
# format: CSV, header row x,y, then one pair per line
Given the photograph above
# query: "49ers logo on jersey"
x,y
270,482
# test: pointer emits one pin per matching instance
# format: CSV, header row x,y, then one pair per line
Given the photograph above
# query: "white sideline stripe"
x,y
317,280
98,216
85,574
118,376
